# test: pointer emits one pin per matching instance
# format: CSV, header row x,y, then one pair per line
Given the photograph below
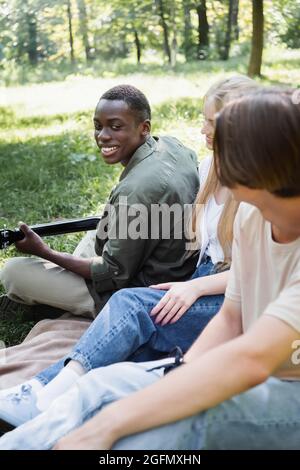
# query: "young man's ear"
x,y
146,127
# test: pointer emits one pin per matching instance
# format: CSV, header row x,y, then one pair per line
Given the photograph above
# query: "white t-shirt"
x,y
265,276
210,219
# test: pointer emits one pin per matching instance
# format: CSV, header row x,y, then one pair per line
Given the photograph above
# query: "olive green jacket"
x,y
161,172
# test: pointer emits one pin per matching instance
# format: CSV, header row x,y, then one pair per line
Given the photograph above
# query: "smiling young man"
x,y
156,171
118,133
239,385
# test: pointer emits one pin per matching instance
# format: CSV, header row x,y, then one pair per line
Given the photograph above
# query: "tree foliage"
x,y
33,31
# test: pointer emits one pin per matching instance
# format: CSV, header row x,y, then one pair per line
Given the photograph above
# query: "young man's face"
x,y
117,132
283,213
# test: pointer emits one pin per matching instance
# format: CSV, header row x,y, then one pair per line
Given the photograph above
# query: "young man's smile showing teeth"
x,y
107,151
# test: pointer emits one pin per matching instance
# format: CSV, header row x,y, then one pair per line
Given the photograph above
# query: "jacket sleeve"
x,y
125,250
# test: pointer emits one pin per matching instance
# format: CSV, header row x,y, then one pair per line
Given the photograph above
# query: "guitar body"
x,y
8,237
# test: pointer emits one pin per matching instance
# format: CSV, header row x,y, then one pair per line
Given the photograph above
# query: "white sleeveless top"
x,y
210,244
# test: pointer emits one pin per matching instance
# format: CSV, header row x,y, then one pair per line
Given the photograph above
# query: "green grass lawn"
x,y
50,166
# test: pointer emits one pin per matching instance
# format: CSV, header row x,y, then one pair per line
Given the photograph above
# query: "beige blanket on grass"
x,y
46,343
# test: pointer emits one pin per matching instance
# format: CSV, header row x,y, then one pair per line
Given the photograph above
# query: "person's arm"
x,y
119,262
181,295
206,381
34,245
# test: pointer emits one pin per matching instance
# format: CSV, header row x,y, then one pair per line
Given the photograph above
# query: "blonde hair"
x,y
221,93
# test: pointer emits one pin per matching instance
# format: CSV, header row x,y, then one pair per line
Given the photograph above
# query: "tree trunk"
x,y
83,26
32,38
203,27
188,35
255,62
227,42
234,19
174,38
173,51
138,46
165,29
71,40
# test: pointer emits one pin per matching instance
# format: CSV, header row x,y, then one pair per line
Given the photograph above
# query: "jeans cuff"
x,y
79,357
42,379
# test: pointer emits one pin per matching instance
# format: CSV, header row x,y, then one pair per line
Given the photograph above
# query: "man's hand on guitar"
x,y
32,244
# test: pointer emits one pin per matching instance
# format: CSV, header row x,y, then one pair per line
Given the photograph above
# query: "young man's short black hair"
x,y
135,99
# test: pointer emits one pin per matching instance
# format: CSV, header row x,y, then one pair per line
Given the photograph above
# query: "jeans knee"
x,y
129,295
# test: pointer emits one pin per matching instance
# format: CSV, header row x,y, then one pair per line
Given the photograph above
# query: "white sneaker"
x,y
17,408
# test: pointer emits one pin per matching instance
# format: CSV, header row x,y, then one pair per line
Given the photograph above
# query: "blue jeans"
x,y
124,330
264,417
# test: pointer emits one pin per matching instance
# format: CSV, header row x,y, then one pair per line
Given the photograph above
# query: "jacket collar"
x,y
142,152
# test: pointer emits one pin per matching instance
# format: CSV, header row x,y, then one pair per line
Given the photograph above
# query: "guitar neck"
x,y
62,227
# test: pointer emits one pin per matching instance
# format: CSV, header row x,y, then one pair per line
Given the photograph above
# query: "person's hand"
x,y
84,438
178,299
32,243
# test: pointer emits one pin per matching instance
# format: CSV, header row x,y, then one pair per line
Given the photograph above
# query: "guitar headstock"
x,y
7,237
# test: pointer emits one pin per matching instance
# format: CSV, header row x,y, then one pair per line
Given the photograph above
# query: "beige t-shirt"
x,y
265,276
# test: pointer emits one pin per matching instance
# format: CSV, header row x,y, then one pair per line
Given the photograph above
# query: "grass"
x,y
14,332
50,167
14,74
21,74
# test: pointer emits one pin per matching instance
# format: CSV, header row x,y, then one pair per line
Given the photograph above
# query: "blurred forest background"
x,y
49,39
58,56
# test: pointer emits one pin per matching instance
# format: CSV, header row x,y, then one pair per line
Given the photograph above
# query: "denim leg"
x,y
124,329
179,435
186,330
117,332
92,391
206,268
265,417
